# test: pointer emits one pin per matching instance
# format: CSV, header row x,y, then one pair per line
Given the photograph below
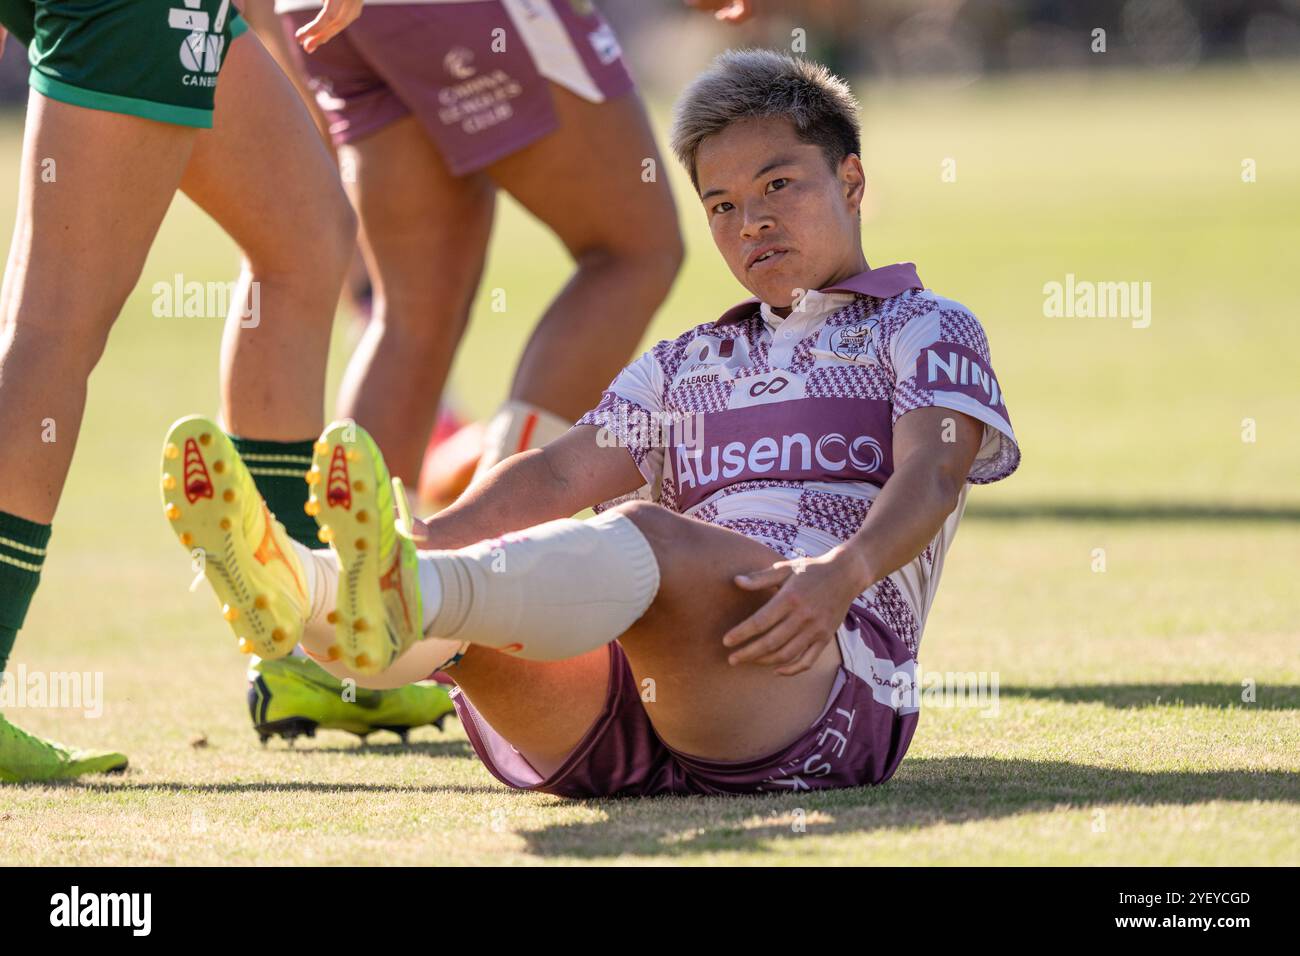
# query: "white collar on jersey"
x,y
883,283
813,307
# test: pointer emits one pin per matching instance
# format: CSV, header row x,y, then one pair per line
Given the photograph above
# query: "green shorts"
x,y
158,59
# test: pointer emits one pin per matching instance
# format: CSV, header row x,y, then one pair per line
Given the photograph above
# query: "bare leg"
x,y
417,214
585,182
265,176
548,707
426,236
80,241
704,706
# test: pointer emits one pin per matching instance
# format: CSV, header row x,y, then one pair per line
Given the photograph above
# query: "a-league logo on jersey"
x,y
854,343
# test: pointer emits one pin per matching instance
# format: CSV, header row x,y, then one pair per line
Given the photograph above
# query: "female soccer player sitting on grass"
x,y
658,647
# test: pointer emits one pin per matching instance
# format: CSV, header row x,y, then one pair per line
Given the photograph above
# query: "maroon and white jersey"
x,y
782,428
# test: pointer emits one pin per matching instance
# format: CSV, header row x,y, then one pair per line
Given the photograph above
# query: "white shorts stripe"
x,y
552,49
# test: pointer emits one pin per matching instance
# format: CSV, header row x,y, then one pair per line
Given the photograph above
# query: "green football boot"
x,y
27,758
293,697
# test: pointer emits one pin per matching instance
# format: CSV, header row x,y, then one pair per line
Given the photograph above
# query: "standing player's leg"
x,y
287,211
597,182
426,236
568,158
93,189
263,173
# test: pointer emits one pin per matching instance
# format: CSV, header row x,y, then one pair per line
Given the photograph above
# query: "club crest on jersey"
x,y
853,343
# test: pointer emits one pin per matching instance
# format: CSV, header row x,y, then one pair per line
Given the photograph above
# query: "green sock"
x,y
279,469
22,552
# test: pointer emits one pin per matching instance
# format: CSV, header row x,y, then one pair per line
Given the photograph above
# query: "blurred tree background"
x,y
953,41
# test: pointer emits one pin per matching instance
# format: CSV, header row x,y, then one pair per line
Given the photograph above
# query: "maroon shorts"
x,y
859,738
474,74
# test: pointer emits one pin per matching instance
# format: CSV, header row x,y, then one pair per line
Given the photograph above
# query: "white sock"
x,y
517,426
321,570
547,593
550,592
430,590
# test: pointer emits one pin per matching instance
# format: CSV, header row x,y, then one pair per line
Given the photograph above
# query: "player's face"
x,y
781,217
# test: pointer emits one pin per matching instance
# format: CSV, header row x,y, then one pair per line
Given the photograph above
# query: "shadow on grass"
x,y
1223,696
98,786
925,792
386,748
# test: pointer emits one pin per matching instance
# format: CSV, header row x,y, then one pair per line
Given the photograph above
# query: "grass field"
x,y
1121,735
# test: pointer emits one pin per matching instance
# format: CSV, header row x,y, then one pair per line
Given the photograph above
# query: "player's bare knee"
x,y
654,521
337,241
665,249
422,333
657,245
317,251
427,312
651,259
74,343
663,262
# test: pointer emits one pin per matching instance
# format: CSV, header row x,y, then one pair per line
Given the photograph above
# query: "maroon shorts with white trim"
x,y
474,74
859,738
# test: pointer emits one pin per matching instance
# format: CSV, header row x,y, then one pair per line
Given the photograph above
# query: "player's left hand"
x,y
329,23
791,630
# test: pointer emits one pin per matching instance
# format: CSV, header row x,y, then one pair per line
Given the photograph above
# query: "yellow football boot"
x,y
220,518
377,612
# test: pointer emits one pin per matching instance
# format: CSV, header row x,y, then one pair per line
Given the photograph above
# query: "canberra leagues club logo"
x,y
459,63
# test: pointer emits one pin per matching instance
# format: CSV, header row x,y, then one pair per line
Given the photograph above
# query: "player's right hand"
x,y
329,23
728,11
792,629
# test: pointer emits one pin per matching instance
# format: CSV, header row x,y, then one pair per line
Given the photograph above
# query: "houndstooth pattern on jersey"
x,y
793,518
